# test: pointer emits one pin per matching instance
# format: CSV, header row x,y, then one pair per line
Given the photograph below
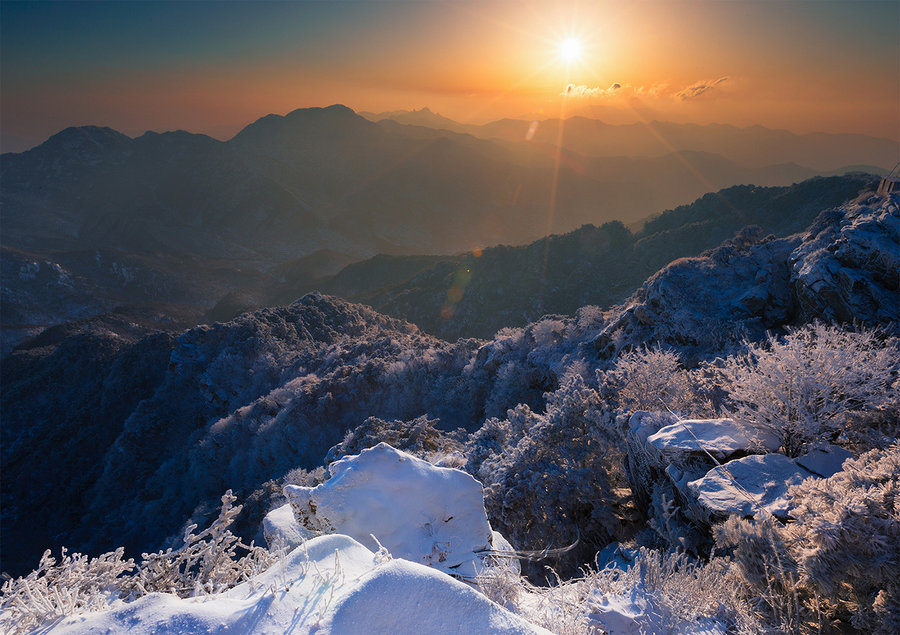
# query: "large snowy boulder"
x,y
721,438
431,515
848,265
744,486
331,584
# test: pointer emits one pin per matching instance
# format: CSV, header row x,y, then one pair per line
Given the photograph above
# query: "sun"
x,y
570,49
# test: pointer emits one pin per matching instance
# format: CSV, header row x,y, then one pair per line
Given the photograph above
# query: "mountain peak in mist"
x,y
422,117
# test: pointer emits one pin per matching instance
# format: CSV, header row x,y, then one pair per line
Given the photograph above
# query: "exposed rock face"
x,y
848,265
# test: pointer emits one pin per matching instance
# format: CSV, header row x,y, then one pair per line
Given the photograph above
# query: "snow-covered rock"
x,y
331,584
848,265
639,612
685,450
431,515
824,462
720,437
745,485
405,597
281,529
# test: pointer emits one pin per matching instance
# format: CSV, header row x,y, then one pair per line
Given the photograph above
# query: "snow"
x,y
638,613
281,529
405,597
643,424
332,584
824,462
431,515
745,485
720,437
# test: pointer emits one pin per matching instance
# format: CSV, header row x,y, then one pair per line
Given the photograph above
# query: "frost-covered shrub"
x,y
804,385
874,429
75,584
419,437
658,593
552,477
548,332
768,571
649,379
304,478
838,559
589,318
206,563
846,539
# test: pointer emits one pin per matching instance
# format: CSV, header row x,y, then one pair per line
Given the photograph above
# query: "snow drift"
x,y
331,584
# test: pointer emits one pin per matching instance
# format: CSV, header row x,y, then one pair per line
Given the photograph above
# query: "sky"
x,y
215,66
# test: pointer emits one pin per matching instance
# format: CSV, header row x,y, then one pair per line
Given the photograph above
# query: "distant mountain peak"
x,y
274,128
333,110
82,144
76,136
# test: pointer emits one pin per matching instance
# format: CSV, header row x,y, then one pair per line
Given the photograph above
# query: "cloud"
x,y
657,90
573,90
698,88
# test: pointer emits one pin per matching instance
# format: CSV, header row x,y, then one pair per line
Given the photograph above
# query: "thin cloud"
x,y
581,91
657,90
695,90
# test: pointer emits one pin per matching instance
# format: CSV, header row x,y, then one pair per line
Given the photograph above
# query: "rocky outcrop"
x,y
845,268
720,438
719,467
681,451
739,289
848,266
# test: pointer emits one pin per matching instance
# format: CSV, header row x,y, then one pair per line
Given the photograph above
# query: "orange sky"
x,y
213,67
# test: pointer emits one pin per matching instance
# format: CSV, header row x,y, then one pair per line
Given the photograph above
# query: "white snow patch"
x,y
431,515
824,462
638,613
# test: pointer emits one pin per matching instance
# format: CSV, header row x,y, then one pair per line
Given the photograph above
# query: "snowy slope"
x,y
331,585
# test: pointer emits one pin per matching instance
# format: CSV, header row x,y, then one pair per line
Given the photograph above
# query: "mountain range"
x,y
753,146
179,228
